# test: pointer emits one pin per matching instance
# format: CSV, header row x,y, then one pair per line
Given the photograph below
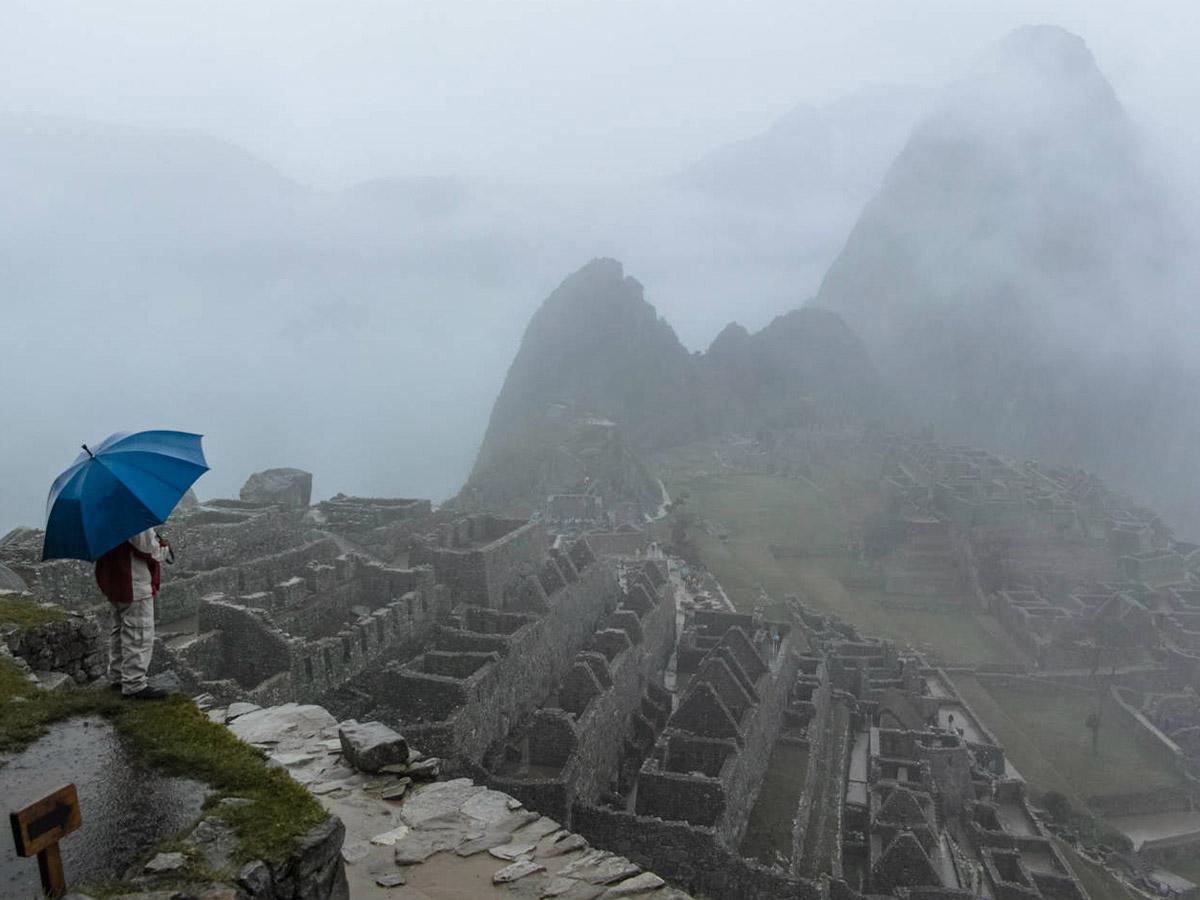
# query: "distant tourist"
x,y
128,576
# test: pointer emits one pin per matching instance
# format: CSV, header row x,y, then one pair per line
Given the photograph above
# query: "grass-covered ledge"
x,y
177,737
22,611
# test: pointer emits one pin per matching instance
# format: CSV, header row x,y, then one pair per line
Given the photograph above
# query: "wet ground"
x,y
126,806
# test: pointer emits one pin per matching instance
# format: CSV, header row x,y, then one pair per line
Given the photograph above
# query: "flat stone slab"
x,y
165,862
492,839
240,709
291,758
551,846
517,870
355,851
265,726
394,879
395,792
647,881
438,799
512,851
557,886
325,787
618,868
537,829
488,806
418,846
581,890
389,838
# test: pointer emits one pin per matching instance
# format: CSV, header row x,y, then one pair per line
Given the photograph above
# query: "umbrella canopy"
x,y
127,483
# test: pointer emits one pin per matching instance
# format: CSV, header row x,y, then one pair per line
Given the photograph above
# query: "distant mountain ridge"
x,y
596,348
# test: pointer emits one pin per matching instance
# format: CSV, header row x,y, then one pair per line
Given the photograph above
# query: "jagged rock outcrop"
x,y
282,487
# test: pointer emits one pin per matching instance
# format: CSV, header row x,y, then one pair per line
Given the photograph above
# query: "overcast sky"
x,y
584,90
579,95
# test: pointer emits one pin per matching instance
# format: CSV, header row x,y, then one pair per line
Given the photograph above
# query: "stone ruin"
x,y
576,683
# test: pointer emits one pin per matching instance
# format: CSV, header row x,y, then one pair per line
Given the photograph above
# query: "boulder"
x,y
369,746
279,487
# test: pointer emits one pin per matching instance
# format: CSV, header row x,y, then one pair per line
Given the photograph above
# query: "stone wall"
x,y
496,696
72,646
252,649
603,727
477,568
737,712
688,856
180,597
210,537
601,712
240,639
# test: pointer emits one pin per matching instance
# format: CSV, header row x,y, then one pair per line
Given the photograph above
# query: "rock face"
x,y
369,746
1013,278
281,487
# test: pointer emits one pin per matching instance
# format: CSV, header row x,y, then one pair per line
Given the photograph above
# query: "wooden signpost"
x,y
40,826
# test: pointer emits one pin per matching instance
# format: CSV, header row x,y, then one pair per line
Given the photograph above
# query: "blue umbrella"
x,y
125,484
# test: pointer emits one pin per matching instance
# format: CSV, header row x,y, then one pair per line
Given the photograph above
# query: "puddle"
x,y
127,807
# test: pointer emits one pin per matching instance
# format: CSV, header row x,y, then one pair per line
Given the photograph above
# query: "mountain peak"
x,y
1049,49
1012,248
1038,77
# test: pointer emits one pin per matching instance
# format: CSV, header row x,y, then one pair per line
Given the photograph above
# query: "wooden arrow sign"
x,y
40,826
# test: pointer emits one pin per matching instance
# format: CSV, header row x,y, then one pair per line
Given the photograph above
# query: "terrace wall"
x,y
460,718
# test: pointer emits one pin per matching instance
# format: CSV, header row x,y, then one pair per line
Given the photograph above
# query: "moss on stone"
x,y
25,612
177,737
181,739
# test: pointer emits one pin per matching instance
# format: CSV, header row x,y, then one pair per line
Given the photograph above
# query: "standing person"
x,y
128,576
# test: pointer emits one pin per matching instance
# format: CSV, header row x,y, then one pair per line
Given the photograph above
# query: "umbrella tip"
x,y
89,452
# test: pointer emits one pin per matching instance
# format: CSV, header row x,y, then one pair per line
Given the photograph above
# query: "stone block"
x,y
369,746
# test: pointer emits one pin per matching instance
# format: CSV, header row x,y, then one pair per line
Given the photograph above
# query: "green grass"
x,y
1056,723
1045,737
23,721
758,511
1019,747
177,737
24,612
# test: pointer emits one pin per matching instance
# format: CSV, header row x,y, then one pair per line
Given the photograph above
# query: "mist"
x,y
316,236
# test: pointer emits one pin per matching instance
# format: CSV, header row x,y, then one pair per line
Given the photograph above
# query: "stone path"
x,y
443,840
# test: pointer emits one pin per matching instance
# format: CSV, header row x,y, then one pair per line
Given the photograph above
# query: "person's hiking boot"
x,y
114,686
148,693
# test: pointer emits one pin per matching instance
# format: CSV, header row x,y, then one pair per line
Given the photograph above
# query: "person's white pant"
x,y
130,643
